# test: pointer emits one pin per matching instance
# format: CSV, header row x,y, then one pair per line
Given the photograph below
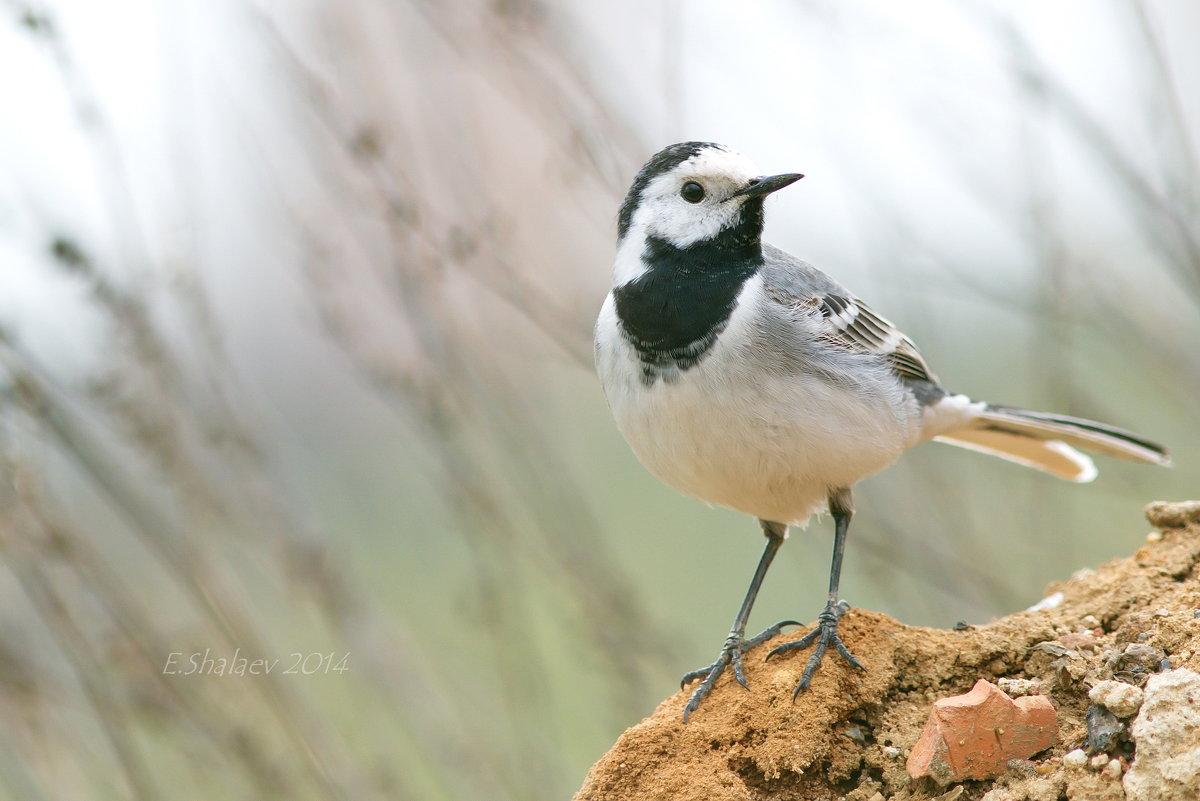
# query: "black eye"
x,y
692,192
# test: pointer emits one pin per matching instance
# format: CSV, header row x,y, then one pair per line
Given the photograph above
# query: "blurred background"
x,y
295,358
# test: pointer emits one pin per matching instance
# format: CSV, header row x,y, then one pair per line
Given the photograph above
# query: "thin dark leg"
x,y
736,643
826,633
842,509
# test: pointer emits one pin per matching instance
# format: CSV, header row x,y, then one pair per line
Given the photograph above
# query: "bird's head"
x,y
695,193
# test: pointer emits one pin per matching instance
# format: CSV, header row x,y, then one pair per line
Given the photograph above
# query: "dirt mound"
x,y
849,736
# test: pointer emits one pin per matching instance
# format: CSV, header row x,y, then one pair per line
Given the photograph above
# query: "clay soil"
x,y
848,737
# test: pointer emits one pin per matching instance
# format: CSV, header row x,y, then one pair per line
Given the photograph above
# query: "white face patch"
x,y
662,212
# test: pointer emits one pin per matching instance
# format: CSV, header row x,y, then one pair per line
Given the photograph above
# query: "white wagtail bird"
x,y
748,378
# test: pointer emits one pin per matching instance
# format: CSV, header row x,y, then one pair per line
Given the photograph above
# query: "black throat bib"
x,y
673,313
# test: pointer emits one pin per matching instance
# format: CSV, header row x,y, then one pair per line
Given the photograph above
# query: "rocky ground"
x,y
1105,677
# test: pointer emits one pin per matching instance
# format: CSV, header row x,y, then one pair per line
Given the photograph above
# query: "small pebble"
x,y
1122,699
1113,769
1047,603
1154,536
1162,612
1099,761
1051,647
1173,515
1091,621
891,751
1021,766
1104,729
1018,687
1075,759
854,733
877,797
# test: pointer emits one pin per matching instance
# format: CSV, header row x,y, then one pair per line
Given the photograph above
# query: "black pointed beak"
x,y
766,184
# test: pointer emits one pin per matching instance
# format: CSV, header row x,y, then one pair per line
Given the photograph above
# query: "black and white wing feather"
x,y
845,321
852,325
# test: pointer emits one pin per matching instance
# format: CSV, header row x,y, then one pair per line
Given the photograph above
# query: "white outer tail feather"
x,y
1044,442
1050,456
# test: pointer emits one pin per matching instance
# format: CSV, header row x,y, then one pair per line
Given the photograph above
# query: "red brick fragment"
x,y
972,736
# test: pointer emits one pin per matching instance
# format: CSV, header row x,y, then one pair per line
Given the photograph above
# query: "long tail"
x,y
1044,441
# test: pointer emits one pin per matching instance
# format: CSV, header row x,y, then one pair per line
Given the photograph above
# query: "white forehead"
x,y
714,163
660,211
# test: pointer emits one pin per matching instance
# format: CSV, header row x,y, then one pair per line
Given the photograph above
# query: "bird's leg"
x,y
736,643
841,505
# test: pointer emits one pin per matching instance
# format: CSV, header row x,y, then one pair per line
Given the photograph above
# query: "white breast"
x,y
734,432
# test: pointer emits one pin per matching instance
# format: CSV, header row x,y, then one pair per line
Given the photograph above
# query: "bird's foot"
x,y
731,654
824,635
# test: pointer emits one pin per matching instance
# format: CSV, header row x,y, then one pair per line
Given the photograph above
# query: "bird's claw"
x,y
731,654
824,635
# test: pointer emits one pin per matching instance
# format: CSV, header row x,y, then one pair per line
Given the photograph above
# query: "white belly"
x,y
769,444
